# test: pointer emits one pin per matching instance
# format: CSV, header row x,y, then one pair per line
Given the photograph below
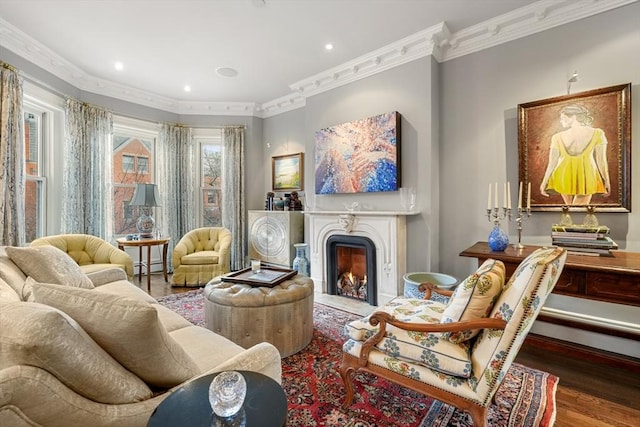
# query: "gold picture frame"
x,y
577,149
287,172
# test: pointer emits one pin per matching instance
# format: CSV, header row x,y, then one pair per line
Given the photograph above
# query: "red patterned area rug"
x,y
315,392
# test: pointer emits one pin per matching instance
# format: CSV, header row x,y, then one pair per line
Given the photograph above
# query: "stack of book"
x,y
583,240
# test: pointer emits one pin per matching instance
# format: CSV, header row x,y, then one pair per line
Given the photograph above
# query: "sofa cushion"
x,y
49,264
426,349
44,337
474,298
10,273
126,328
7,293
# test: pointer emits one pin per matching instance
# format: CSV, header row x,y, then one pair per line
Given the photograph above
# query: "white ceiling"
x,y
167,44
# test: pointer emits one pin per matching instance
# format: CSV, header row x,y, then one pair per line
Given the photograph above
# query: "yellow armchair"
x,y
91,253
201,255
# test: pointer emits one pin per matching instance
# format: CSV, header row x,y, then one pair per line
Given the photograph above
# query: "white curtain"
x,y
88,169
233,193
175,178
11,157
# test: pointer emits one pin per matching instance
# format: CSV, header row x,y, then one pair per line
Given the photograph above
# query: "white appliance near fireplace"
x,y
387,230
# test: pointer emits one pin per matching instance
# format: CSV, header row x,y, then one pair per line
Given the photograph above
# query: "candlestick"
x,y
508,195
529,196
520,196
489,198
519,217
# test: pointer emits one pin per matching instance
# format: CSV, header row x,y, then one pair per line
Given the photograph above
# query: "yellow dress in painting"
x,y
577,174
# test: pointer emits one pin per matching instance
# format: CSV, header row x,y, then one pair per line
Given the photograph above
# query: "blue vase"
x,y
498,239
301,262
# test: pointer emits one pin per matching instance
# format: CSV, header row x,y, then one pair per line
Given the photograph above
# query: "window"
x,y
133,158
128,163
143,165
210,162
33,169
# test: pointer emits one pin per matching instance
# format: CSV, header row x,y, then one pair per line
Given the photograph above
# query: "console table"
x,y
614,279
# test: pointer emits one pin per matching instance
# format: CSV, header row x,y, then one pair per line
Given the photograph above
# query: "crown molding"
x,y
436,41
409,49
525,21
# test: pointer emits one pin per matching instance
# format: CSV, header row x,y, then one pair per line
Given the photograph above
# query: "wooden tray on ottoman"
x,y
268,276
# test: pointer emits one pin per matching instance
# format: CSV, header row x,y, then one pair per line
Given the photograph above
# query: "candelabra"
x,y
522,215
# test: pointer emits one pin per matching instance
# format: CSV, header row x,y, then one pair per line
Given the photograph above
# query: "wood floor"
x,y
588,395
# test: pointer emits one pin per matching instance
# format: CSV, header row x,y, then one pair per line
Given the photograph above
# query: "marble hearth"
x,y
387,230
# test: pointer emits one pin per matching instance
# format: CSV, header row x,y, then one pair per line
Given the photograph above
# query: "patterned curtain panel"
x,y
11,161
233,212
175,179
88,171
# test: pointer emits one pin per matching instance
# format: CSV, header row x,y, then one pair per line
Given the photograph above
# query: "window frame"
x,y
134,128
202,137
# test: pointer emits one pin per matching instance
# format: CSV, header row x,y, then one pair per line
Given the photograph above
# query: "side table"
x,y
148,243
265,404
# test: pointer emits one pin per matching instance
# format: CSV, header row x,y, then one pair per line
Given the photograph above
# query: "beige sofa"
x,y
93,349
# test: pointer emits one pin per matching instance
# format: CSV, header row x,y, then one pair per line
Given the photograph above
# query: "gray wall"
x,y
410,91
479,140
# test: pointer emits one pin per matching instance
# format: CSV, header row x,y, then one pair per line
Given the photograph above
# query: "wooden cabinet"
x,y
613,279
272,235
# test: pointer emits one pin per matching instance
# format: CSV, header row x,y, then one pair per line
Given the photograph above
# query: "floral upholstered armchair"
x,y
457,352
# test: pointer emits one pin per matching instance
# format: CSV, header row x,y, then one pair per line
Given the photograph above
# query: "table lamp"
x,y
145,195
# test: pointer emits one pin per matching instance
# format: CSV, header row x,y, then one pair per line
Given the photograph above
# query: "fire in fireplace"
x,y
351,267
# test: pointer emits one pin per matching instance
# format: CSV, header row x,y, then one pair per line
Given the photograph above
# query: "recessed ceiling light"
x,y
119,65
187,88
328,46
227,72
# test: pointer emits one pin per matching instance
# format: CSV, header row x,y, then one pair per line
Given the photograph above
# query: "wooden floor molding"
x,y
598,356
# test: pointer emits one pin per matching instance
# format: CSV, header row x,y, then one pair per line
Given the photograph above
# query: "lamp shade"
x,y
145,195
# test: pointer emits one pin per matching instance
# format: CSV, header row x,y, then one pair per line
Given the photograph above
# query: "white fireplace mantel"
x,y
387,230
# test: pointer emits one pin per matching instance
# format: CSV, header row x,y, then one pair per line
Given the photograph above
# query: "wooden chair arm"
x,y
428,287
382,319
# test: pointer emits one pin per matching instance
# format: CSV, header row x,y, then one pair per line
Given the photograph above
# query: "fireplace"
x,y
386,232
351,270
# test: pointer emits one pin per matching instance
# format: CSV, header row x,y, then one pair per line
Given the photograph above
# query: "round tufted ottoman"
x,y
282,315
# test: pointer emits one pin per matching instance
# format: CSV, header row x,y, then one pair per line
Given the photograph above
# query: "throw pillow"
x,y
474,298
36,335
49,264
127,328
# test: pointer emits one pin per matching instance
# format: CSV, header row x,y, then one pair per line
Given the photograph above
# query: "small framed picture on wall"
x,y
287,172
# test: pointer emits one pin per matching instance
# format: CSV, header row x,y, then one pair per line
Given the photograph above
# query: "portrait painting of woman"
x,y
577,167
575,150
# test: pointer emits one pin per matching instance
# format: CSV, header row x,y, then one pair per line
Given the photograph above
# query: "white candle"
x,y
495,204
508,195
529,195
504,197
489,198
520,197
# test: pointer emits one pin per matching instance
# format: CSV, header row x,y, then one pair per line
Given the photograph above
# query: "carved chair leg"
x,y
478,415
345,372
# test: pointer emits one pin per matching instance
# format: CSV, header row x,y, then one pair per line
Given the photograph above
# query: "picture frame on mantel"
x,y
575,150
287,172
